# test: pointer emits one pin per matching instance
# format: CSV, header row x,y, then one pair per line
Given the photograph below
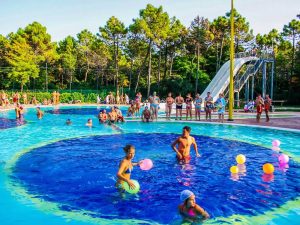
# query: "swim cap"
x,y
184,195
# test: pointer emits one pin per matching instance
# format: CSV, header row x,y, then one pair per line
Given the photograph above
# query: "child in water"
x,y
68,122
126,167
189,210
89,123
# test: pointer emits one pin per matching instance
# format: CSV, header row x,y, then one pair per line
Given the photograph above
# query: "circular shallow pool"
x,y
58,172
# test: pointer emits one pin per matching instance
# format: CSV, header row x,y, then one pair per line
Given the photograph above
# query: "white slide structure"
x,y
221,81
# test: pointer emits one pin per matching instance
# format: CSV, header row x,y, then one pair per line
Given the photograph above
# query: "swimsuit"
x,y
188,103
198,103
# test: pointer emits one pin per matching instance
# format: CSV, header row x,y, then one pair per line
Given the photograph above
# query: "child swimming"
x,y
189,210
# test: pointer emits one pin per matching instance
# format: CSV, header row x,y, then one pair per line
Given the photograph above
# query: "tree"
x,y
20,56
85,53
68,57
153,25
201,37
113,33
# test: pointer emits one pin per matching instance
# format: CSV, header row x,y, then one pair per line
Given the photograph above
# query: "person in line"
x,y
19,111
39,113
169,104
189,210
24,96
267,103
189,106
126,167
209,105
179,102
184,143
89,123
221,103
146,115
154,105
259,107
138,101
197,103
68,122
126,99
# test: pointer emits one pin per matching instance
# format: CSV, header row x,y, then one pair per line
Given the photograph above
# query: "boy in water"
x,y
39,113
189,210
184,145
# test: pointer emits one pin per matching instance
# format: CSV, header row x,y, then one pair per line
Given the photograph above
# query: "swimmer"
x,y
102,116
39,113
184,145
126,167
68,122
189,210
89,123
146,115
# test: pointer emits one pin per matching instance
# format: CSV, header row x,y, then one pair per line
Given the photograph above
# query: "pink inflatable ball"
x,y
276,143
283,167
283,159
146,164
275,148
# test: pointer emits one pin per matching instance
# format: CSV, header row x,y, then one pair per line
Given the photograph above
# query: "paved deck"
x,y
288,119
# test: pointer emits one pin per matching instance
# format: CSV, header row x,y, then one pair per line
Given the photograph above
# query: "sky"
x,y
69,17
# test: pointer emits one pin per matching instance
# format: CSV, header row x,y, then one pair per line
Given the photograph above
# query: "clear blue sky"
x,y
69,17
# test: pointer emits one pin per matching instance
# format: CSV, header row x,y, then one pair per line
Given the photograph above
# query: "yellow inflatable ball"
x,y
240,159
234,169
268,168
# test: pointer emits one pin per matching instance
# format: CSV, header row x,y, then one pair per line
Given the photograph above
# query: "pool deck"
x,y
284,119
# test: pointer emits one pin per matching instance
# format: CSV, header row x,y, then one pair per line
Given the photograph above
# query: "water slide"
x,y
221,81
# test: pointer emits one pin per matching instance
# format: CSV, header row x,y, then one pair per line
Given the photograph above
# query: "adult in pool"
x,y
184,143
189,210
126,167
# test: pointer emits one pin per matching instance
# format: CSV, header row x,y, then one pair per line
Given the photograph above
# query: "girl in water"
x,y
189,210
126,167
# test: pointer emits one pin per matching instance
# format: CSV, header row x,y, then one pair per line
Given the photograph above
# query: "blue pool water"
x,y
80,174
8,123
51,173
84,111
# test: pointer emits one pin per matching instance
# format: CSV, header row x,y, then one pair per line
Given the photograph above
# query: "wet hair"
x,y
187,128
127,148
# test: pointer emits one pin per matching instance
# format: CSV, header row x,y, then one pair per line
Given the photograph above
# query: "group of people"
x,y
152,106
118,99
263,105
189,210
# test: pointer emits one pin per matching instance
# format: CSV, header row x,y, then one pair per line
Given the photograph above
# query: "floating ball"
x,y
146,164
276,143
275,148
283,158
268,168
234,169
134,190
240,159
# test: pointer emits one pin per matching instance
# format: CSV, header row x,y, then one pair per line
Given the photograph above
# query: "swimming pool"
x,y
57,174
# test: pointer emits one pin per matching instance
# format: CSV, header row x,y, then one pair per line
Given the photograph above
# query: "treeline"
x,y
154,53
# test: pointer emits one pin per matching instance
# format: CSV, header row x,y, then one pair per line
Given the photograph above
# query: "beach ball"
x,y
132,191
283,158
234,169
268,168
146,164
275,148
276,143
240,159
